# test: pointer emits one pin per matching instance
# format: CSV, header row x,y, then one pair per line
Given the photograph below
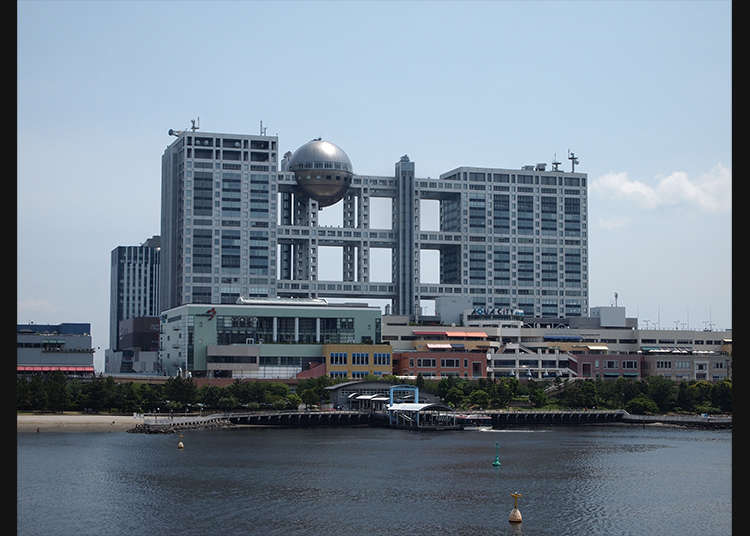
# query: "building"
x,y
137,348
267,338
234,224
134,284
357,360
356,395
605,345
45,348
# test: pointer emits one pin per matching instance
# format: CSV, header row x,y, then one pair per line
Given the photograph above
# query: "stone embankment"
x,y
160,424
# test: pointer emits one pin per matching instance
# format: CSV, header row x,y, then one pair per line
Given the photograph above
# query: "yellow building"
x,y
357,360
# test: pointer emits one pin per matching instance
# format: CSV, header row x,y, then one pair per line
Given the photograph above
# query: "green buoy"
x,y
496,463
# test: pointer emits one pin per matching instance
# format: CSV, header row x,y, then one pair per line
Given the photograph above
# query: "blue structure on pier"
x,y
413,388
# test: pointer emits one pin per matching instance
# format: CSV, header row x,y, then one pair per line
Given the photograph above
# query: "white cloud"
x,y
711,192
613,223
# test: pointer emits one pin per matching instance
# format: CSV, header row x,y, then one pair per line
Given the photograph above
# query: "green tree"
x,y
293,401
538,398
721,396
23,394
479,398
420,381
210,395
504,392
228,403
454,396
685,397
310,396
182,391
641,405
57,393
662,392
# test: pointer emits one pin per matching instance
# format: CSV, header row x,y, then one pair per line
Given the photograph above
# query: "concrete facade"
x,y
263,338
233,225
44,348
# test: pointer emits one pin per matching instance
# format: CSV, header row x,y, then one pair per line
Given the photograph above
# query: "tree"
x,y
662,392
181,390
293,401
685,397
538,398
479,398
503,393
721,396
641,405
210,395
228,403
420,381
454,396
57,393
310,397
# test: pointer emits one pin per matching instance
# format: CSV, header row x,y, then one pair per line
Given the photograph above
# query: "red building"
x,y
440,363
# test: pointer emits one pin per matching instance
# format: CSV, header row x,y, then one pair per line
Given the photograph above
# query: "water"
x,y
587,480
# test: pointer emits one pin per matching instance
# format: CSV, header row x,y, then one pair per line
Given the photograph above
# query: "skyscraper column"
x,y
406,229
348,250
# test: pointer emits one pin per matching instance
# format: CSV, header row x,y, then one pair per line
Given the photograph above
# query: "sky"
x,y
640,91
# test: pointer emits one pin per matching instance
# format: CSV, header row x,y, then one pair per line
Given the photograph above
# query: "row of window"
x,y
360,358
687,365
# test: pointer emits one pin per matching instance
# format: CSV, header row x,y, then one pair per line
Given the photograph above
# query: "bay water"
x,y
582,480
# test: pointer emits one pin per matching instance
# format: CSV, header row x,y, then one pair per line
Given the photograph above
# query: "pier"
x,y
429,417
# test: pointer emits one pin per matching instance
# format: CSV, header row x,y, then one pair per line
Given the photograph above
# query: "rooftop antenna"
x,y
573,161
178,133
195,127
615,299
555,163
262,130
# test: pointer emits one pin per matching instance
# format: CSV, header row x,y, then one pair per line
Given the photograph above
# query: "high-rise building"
x,y
236,222
134,285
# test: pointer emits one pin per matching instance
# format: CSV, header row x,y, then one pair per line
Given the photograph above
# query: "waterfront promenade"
x,y
500,418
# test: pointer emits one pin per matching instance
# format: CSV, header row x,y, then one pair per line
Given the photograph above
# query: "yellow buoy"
x,y
180,445
515,514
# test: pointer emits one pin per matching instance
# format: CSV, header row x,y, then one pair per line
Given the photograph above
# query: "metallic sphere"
x,y
323,171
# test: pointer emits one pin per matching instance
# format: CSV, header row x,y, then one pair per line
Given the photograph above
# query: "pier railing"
x,y
499,418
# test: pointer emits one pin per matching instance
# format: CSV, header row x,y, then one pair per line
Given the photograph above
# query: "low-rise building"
x,y
264,338
46,348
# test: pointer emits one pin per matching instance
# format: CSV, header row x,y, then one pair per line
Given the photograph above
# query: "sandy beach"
x,y
75,423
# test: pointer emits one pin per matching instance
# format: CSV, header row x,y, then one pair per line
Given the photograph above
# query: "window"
x,y
359,358
426,363
663,364
338,358
611,364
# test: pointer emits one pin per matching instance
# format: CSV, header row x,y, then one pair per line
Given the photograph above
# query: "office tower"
x,y
234,224
218,218
134,285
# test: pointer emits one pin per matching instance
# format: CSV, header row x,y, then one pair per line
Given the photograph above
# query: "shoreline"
x,y
33,423
73,422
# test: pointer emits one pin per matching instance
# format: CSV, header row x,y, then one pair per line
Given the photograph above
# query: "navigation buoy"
x,y
180,445
515,514
496,463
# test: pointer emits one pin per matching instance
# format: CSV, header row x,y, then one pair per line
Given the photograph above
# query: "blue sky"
x,y
640,91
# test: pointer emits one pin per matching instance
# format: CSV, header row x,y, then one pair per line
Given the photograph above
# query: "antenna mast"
x,y
555,163
195,127
573,161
